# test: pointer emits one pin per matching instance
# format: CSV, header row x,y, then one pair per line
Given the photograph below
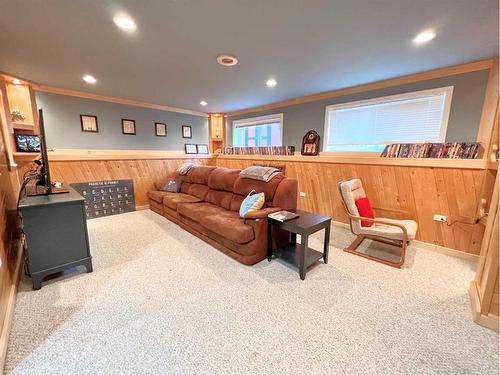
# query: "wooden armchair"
x,y
393,232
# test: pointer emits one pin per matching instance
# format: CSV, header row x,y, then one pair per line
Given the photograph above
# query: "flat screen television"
x,y
27,142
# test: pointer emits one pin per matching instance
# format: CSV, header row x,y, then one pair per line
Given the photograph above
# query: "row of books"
x,y
265,150
464,150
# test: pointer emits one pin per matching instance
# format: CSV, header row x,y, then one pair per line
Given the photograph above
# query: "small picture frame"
x,y
128,126
187,131
89,123
202,149
190,148
160,129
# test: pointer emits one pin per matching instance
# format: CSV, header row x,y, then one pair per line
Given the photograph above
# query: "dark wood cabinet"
x,y
56,235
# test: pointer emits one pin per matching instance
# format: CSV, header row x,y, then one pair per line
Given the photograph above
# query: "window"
x,y
258,131
369,125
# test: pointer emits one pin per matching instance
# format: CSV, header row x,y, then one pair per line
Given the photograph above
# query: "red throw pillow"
x,y
365,210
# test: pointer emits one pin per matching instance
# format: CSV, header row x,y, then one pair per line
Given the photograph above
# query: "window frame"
x,y
259,120
448,90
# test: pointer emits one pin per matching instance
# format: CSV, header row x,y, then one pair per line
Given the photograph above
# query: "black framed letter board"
x,y
104,198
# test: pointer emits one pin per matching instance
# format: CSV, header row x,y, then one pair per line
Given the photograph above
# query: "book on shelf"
x,y
283,216
449,150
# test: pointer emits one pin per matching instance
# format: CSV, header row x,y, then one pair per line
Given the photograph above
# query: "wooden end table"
x,y
300,255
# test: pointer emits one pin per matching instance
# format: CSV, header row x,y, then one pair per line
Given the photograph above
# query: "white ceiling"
x,y
309,46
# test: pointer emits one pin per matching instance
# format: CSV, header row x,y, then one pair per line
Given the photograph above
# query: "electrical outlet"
x,y
440,218
302,194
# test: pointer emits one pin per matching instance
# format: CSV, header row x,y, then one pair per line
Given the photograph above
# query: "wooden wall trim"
x,y
366,160
110,99
417,77
490,105
9,315
80,154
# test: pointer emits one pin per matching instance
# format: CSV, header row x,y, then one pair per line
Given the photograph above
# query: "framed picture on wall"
x,y
160,129
89,123
191,149
186,131
128,126
202,149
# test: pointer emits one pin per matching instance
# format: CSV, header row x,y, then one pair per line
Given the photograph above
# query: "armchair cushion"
x,y
391,232
365,210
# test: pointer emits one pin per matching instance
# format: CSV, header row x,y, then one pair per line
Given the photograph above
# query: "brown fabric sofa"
x,y
208,207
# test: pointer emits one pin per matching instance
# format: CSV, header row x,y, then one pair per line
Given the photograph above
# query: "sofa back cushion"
x,y
219,198
243,186
198,190
199,175
223,179
185,187
236,202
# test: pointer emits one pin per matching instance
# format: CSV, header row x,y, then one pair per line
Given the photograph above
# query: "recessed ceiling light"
x,y
89,79
125,22
203,103
16,81
424,37
271,82
227,60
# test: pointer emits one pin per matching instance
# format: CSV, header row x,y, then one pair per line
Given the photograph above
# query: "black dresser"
x,y
55,229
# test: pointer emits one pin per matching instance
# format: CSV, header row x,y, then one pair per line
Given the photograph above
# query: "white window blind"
x,y
369,125
258,131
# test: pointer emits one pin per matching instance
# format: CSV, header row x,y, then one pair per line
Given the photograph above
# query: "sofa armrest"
x,y
261,214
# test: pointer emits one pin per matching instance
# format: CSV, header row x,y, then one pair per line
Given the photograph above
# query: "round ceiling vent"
x,y
227,60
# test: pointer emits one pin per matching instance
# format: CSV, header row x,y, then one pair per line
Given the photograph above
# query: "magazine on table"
x,y
283,216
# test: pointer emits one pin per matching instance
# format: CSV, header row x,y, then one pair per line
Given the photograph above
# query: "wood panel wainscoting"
x,y
396,191
10,245
147,168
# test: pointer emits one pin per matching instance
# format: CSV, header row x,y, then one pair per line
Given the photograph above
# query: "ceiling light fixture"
x,y
203,103
89,79
16,81
125,22
424,37
271,82
227,60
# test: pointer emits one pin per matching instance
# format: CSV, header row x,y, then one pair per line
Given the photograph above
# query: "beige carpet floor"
x,y
161,301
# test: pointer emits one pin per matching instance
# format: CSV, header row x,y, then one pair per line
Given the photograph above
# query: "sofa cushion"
x,y
157,195
195,211
253,202
236,202
198,190
188,177
219,198
199,175
223,179
185,187
230,227
243,186
171,201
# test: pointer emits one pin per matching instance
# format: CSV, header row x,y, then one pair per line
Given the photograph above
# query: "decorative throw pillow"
x,y
185,168
173,185
253,202
365,210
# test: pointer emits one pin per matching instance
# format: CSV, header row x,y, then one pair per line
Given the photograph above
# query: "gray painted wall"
x,y
63,129
463,124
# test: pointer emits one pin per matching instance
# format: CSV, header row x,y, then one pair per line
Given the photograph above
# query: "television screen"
x,y
27,142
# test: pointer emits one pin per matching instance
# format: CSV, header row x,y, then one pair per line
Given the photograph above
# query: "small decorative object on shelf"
x,y
456,150
310,143
264,150
190,148
186,131
128,126
17,115
202,149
